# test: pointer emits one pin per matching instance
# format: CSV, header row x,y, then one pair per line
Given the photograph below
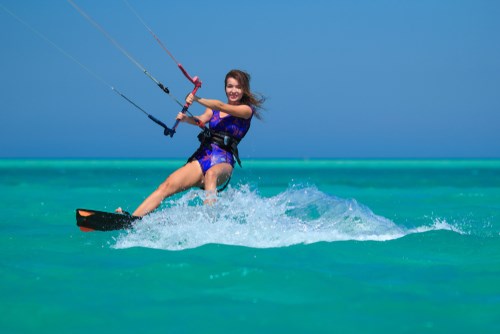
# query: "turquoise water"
x,y
293,246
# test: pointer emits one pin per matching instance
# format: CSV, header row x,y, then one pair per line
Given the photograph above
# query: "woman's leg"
x,y
188,176
216,176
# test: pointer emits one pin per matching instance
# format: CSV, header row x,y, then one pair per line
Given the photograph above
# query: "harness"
x,y
222,139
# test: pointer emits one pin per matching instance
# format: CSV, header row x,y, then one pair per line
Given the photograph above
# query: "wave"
x,y
241,216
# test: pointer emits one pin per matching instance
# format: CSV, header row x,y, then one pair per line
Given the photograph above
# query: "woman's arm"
x,y
204,118
242,110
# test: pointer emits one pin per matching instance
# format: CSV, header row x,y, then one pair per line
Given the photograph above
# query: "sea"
x,y
291,246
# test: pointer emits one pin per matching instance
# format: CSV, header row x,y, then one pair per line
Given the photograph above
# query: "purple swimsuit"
x,y
209,155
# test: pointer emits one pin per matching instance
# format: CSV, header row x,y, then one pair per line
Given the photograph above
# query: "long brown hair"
x,y
253,100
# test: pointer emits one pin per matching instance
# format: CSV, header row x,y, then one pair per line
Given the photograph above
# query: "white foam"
x,y
438,224
299,215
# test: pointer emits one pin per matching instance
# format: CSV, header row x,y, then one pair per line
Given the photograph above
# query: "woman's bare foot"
x,y
210,197
210,201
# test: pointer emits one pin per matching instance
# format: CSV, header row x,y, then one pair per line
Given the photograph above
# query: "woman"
x,y
212,164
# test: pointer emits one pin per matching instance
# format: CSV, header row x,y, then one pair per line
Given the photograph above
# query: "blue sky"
x,y
344,79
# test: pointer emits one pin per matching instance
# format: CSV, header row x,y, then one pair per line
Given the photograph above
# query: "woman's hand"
x,y
182,117
190,98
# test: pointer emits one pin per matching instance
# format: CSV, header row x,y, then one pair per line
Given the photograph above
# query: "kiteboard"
x,y
92,220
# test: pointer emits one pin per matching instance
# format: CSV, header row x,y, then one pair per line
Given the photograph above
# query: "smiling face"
x,y
234,91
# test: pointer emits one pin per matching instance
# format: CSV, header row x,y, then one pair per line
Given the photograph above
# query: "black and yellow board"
x,y
93,220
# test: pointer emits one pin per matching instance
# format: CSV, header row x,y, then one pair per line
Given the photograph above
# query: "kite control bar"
x,y
197,84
